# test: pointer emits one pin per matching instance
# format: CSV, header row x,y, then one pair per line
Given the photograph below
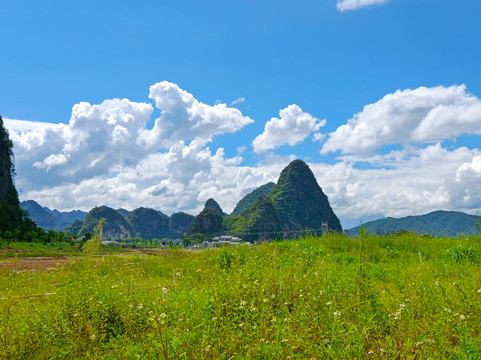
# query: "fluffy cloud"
x,y
185,118
292,128
103,139
422,115
418,182
181,179
346,5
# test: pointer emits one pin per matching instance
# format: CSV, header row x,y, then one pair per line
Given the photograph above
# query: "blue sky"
x,y
397,83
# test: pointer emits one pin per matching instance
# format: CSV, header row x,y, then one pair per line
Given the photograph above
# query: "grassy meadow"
x,y
332,297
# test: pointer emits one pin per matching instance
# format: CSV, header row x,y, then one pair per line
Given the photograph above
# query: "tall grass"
x,y
314,298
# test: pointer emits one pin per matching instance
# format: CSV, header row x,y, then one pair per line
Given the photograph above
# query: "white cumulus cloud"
x,y
346,5
422,115
291,128
185,118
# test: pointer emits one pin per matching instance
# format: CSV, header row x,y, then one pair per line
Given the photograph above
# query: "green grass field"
x,y
334,297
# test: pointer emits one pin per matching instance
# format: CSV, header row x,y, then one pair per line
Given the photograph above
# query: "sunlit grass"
x,y
332,297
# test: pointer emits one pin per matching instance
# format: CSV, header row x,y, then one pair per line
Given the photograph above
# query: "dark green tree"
x,y
10,211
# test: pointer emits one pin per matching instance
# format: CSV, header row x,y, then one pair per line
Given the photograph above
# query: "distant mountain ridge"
x,y
51,219
436,223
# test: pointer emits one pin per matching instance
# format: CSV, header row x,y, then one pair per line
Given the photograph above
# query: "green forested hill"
x,y
115,225
149,223
247,201
437,223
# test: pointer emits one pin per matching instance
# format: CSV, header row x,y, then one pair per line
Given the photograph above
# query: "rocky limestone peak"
x,y
212,204
115,225
300,202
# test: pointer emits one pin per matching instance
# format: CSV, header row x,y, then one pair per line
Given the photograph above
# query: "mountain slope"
x,y
115,225
437,223
180,222
149,223
43,218
247,201
212,204
300,201
259,222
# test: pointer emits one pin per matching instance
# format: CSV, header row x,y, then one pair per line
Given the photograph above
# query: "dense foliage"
x,y
149,223
180,223
334,297
300,202
209,222
12,219
249,200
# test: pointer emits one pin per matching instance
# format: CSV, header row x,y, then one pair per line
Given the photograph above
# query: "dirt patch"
x,y
30,263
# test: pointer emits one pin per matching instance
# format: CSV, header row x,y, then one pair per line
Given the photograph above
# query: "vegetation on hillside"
x,y
249,200
115,225
437,223
149,223
332,297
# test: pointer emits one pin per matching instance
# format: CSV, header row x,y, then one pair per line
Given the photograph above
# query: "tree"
x,y
93,245
11,216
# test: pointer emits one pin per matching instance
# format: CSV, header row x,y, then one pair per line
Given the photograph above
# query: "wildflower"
x,y
214,318
337,313
286,319
92,336
164,290
419,343
131,305
320,292
301,295
100,302
462,317
253,309
265,300
383,350
178,273
74,315
328,303
242,303
262,340
285,340
140,306
370,352
180,319
207,348
479,291
114,286
286,303
241,324
163,315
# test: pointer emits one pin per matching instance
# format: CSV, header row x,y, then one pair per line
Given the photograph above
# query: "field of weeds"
x,y
333,297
